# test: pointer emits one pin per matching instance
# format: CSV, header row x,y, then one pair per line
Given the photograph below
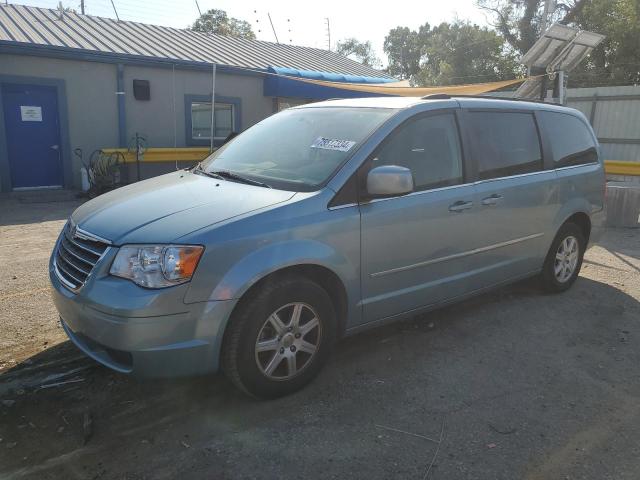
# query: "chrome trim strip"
x,y
456,255
84,235
345,205
64,255
69,274
520,175
75,255
83,247
591,164
64,281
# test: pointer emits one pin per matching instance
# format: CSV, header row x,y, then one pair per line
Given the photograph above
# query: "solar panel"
x,y
560,48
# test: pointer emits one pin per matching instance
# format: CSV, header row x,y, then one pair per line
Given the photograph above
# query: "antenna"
x,y
272,28
328,34
197,6
289,29
114,9
82,7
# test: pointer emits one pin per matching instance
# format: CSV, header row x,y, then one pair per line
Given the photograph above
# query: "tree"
x,y
463,53
218,22
360,51
520,21
449,53
403,51
615,61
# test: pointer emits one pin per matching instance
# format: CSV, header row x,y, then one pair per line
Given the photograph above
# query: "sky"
x,y
295,21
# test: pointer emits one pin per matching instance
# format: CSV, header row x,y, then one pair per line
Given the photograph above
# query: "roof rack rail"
x,y
513,99
436,96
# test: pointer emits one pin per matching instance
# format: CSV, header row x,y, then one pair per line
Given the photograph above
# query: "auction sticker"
x,y
333,144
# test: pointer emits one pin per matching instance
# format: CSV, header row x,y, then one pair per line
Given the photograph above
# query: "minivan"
x,y
321,221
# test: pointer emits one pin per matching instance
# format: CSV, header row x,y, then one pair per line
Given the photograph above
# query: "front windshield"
x,y
297,149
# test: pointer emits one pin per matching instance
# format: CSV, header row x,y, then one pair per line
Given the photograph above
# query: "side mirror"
x,y
389,181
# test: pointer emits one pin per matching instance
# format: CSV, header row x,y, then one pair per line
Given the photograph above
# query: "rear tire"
x,y
279,337
564,259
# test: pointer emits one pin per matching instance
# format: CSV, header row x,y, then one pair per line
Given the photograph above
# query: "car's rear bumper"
x,y
186,342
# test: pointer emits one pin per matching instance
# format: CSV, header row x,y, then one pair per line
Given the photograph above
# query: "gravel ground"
x,y
514,384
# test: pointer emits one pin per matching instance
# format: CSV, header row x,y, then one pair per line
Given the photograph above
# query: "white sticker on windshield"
x,y
333,144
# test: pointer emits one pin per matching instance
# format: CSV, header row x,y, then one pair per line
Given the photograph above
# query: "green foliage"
x,y
360,51
403,51
449,53
218,22
616,61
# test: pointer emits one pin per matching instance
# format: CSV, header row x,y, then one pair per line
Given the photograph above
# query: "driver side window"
x,y
428,146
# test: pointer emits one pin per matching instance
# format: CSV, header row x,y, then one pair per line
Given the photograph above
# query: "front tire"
x,y
564,259
279,337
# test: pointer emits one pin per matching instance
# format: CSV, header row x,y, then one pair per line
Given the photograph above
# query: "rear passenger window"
x,y
571,141
429,147
506,143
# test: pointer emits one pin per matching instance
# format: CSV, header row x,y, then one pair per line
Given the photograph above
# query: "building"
x,y
70,81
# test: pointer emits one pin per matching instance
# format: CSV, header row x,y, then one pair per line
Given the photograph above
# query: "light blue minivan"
x,y
321,221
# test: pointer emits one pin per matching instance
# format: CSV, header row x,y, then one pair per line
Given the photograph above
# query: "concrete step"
x,y
623,204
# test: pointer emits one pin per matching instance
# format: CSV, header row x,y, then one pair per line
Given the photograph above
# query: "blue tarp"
x,y
278,86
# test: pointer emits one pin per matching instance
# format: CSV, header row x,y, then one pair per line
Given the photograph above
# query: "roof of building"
x,y
48,29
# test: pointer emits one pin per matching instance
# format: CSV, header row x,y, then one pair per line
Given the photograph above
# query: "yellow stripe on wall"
x,y
195,154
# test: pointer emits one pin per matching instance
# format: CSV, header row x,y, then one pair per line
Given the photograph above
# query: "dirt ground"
x,y
514,384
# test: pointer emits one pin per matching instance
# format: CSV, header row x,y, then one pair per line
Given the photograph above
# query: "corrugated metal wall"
x,y
614,113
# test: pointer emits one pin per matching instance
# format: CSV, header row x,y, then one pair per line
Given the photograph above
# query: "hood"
x,y
167,207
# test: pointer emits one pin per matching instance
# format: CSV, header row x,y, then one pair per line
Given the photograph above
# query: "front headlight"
x,y
156,266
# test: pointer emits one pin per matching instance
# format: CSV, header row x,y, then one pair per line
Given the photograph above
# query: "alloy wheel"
x,y
288,341
566,259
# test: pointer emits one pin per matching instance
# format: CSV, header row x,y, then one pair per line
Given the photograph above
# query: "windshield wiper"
x,y
234,176
198,169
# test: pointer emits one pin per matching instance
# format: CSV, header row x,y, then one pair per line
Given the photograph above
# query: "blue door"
x,y
33,135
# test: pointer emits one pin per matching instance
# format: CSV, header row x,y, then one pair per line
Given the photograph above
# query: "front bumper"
x,y
147,333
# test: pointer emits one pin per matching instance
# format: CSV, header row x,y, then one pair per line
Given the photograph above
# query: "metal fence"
x,y
614,113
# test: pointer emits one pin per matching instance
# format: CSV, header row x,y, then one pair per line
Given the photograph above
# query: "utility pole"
x,y
549,8
328,33
82,7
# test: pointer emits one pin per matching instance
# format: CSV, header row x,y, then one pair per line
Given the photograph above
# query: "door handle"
x,y
492,200
55,147
460,205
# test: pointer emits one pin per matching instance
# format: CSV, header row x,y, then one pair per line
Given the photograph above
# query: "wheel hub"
x,y
288,340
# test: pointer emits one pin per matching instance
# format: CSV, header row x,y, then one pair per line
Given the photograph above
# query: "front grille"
x,y
77,254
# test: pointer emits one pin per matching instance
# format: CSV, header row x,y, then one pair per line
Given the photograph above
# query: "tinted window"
x,y
571,141
429,147
506,143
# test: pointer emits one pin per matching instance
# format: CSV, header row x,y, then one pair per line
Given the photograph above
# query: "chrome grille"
x,y
78,252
